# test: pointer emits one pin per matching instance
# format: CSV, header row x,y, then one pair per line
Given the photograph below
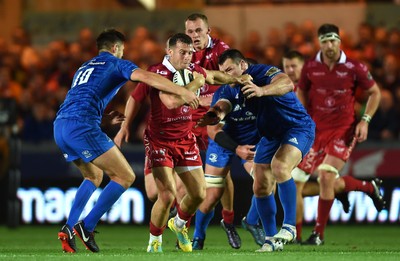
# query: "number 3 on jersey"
x,y
83,77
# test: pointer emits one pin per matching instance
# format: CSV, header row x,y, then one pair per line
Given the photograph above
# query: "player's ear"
x,y
208,30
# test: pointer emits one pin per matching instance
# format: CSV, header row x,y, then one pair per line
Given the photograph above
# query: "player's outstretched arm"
x,y
163,84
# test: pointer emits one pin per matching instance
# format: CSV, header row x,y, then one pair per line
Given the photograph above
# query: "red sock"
x,y
156,231
299,227
324,207
183,215
189,222
228,216
352,184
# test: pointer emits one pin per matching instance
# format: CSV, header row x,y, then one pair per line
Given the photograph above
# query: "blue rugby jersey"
x,y
275,114
94,85
240,123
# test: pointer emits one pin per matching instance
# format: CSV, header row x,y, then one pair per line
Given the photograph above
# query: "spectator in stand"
x,y
385,124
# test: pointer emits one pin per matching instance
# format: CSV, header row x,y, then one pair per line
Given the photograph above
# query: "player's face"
x,y
292,68
180,55
330,49
232,68
198,31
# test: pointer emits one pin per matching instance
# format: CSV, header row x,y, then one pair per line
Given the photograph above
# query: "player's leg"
x,y
301,180
251,222
92,180
165,183
149,182
114,164
286,158
193,178
215,182
344,185
328,172
227,222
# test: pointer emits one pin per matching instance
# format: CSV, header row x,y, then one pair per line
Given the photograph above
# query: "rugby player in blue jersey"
x,y
287,133
78,134
236,134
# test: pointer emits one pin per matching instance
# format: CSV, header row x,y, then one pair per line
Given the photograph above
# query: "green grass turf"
x,y
128,242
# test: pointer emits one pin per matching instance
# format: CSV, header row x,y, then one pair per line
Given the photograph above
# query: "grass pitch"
x,y
128,242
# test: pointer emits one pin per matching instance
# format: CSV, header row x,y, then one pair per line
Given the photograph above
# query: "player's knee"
x,y
280,170
166,197
213,181
327,173
151,195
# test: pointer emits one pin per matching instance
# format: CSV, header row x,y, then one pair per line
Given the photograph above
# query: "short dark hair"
x,y
233,54
328,28
195,16
179,37
108,38
294,54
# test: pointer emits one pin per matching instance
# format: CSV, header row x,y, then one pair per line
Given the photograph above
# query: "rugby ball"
x,y
183,77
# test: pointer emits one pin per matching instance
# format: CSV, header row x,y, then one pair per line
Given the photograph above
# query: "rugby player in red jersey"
x,y
327,89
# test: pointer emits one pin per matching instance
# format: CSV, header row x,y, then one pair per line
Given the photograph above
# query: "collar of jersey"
x,y
342,58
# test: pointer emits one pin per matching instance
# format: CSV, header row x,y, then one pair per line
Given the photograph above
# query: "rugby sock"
x,y
324,207
156,231
82,196
266,207
228,216
252,215
287,195
352,184
107,198
202,220
181,218
299,227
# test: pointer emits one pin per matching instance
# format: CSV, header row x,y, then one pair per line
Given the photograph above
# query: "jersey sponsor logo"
x,y
86,154
293,140
341,74
162,72
318,73
271,71
213,157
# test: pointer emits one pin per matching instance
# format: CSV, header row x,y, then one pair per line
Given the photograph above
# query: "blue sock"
x,y
201,223
82,196
252,215
287,195
107,198
266,207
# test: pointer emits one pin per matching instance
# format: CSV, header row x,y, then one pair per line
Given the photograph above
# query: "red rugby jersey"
x,y
331,94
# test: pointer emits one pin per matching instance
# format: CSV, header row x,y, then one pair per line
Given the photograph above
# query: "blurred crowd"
x,y
38,78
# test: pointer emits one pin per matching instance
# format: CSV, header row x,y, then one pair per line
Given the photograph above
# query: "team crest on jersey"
x,y
271,71
185,109
349,65
204,88
213,157
329,102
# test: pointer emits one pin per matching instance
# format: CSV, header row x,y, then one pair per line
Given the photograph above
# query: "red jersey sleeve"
x,y
140,92
364,79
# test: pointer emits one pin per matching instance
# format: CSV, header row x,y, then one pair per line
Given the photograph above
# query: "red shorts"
x,y
336,142
201,136
171,153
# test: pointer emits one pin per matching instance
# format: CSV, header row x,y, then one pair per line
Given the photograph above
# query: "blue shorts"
x,y
301,138
219,157
80,139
